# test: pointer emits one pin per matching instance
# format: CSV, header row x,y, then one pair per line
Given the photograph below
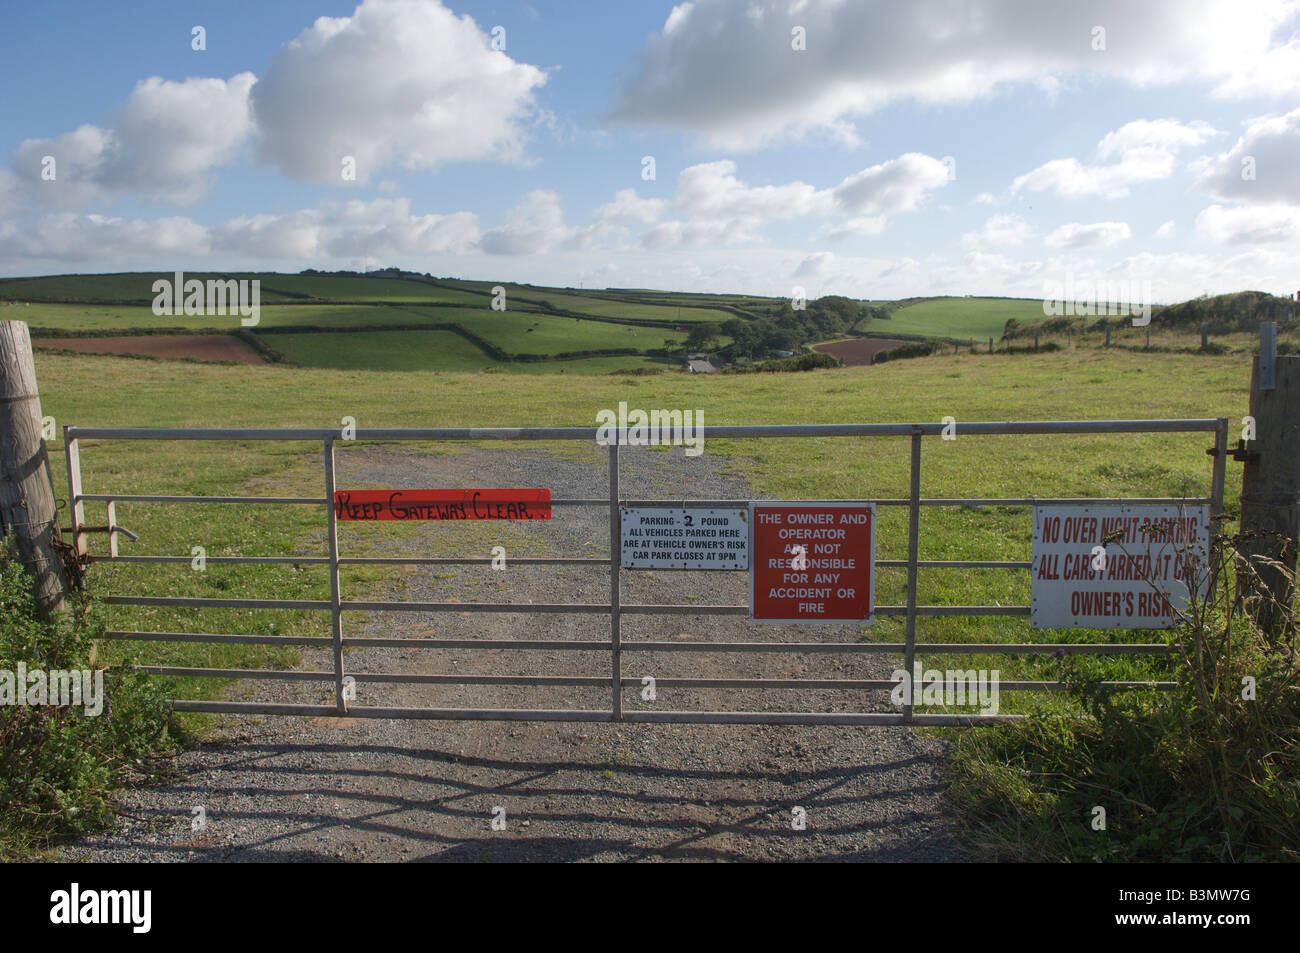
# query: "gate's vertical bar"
x,y
75,505
336,609
615,611
1216,500
913,546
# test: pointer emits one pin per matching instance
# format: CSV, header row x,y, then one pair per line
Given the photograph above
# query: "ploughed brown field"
x,y
859,350
202,347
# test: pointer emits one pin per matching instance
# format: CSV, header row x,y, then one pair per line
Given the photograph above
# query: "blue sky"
x,y
959,146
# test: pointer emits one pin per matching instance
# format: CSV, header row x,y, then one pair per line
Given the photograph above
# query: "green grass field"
x,y
429,351
964,318
590,304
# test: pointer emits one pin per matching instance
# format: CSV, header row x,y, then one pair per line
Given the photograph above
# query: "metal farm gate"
x,y
615,608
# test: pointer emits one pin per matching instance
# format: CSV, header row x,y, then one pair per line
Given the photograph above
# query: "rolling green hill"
x,y
962,318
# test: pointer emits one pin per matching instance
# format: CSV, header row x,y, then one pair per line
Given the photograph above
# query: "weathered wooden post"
x,y
990,345
1205,337
1270,482
27,507
1035,340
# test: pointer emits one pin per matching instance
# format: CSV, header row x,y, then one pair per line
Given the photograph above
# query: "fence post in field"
x,y
27,506
1035,340
1205,337
1270,482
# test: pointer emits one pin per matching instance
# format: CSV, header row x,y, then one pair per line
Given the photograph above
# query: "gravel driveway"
x,y
320,789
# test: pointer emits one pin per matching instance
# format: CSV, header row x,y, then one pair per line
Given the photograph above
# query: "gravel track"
x,y
328,789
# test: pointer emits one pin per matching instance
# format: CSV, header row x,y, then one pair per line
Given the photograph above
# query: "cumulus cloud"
x,y
999,231
534,225
713,205
67,236
398,81
1141,151
163,145
711,190
1252,224
1096,235
1168,230
818,265
1262,168
629,208
725,70
898,185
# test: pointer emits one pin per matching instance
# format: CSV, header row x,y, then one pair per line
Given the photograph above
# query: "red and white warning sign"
x,y
812,562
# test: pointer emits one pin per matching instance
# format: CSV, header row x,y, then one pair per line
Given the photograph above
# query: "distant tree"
x,y
702,336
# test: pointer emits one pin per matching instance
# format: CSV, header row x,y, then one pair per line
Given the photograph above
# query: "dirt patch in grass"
x,y
859,351
199,347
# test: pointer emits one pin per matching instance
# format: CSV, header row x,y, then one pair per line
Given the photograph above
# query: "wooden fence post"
x,y
27,507
1270,485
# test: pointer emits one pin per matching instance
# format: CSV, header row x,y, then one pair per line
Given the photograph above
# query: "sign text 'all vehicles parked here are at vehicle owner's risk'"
x,y
656,537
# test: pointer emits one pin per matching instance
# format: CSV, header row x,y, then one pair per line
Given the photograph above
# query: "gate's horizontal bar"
x,y
807,718
531,644
696,504
230,560
595,681
645,609
253,674
590,433
216,603
573,607
467,561
525,714
957,564
132,498
126,636
440,714
973,501
946,648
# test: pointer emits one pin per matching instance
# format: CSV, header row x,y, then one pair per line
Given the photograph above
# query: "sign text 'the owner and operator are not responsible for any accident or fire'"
x,y
812,562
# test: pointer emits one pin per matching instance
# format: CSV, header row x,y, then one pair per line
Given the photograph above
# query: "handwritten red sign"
x,y
480,504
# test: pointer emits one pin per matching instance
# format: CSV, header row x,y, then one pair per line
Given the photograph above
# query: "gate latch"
x,y
1239,453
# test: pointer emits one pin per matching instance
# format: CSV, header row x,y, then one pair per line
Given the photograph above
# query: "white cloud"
x,y
1096,235
1000,231
818,265
1252,224
534,225
711,190
69,237
897,185
855,227
1167,230
1143,151
715,206
1263,167
628,208
163,145
725,70
398,81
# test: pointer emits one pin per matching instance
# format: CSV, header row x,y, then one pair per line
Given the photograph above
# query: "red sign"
x,y
812,562
527,504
